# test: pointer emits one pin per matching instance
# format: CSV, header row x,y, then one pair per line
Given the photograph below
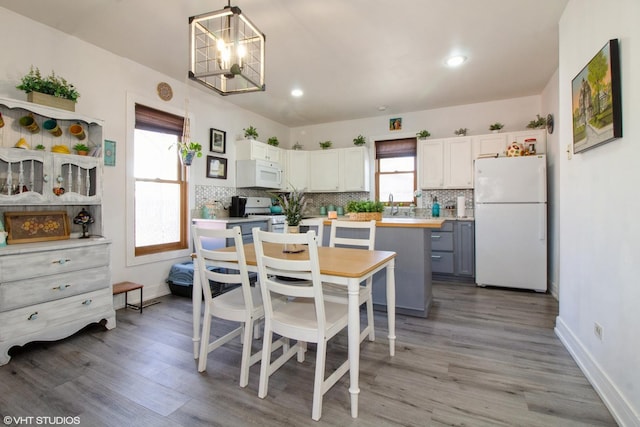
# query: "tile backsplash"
x,y
209,195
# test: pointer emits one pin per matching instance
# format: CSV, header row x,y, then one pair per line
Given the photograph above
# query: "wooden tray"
x,y
24,227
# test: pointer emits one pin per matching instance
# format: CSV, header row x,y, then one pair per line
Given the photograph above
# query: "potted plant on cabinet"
x,y
81,149
324,145
461,132
495,128
250,133
53,91
273,141
539,123
365,210
359,140
423,134
40,147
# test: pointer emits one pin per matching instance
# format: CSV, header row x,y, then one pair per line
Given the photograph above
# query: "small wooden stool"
x,y
124,288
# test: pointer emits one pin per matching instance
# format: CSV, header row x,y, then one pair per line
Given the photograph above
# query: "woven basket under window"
x,y
365,216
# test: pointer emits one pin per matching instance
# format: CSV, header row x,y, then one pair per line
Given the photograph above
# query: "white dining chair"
x,y
242,304
366,238
305,317
317,225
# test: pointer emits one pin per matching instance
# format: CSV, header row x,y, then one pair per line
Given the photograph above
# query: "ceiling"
x,y
349,57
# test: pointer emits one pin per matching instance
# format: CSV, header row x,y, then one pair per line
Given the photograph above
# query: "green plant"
x,y
364,206
496,126
273,141
324,145
293,206
50,85
359,140
81,147
461,131
540,122
423,134
297,146
40,147
250,132
184,148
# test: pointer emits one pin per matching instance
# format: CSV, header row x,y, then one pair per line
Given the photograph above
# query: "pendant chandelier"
x,y
227,52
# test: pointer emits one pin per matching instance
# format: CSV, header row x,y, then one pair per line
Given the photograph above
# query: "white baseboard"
x,y
620,409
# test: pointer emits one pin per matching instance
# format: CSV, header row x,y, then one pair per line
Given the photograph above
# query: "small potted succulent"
x,y
81,149
325,144
297,146
461,132
423,134
250,133
359,140
40,147
273,141
495,128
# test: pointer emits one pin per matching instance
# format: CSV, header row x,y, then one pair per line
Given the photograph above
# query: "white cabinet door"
x,y
458,163
490,144
355,169
297,176
540,136
431,164
250,149
79,176
324,173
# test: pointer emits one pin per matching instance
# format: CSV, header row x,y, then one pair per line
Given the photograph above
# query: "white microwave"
x,y
258,174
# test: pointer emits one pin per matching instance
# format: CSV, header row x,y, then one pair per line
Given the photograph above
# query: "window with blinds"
x,y
396,170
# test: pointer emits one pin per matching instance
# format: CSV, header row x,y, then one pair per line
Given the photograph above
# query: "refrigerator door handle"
x,y
542,223
542,183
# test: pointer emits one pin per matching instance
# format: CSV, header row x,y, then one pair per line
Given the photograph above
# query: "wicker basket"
x,y
365,216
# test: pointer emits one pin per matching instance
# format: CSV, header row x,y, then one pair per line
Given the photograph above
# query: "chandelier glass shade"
x,y
227,52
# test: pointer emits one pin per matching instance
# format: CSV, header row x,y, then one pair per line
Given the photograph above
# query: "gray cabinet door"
x,y
465,248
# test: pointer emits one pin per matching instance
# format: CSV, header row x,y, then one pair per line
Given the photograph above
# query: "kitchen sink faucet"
x,y
391,205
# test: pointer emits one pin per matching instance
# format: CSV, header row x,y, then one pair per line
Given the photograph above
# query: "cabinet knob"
x,y
33,316
61,261
86,302
436,256
45,178
61,287
60,179
435,236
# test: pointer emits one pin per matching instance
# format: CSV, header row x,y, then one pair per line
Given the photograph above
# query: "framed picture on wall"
x,y
595,100
216,167
217,141
395,124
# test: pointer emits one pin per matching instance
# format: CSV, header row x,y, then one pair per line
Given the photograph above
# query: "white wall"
x,y
550,106
599,227
104,80
515,114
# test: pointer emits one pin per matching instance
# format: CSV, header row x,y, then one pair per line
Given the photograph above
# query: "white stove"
x,y
261,206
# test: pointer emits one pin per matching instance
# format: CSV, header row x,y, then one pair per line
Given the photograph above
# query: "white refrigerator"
x,y
511,222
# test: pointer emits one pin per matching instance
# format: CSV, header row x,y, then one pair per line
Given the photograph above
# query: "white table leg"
x,y
354,343
391,305
196,297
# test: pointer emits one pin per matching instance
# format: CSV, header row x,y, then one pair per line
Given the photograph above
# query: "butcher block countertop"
x,y
404,222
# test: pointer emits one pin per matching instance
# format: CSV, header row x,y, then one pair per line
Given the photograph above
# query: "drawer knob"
x,y
61,287
436,256
61,261
435,236
86,302
33,316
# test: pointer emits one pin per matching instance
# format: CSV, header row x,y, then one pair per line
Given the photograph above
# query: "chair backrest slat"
x,y
368,243
318,227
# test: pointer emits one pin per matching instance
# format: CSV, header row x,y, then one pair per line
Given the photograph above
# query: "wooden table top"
x,y
343,262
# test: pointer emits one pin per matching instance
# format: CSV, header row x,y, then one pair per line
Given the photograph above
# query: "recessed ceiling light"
x,y
297,93
382,108
454,61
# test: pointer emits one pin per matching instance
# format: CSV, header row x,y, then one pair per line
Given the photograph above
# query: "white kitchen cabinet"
x,y
355,169
324,171
490,144
446,163
431,163
458,163
249,149
297,170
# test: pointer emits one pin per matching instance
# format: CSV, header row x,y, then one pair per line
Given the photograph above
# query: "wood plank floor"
x,y
484,357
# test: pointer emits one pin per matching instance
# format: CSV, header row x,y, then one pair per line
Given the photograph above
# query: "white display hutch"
x,y
51,289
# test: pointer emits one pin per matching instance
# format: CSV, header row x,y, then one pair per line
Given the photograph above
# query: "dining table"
x,y
346,267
